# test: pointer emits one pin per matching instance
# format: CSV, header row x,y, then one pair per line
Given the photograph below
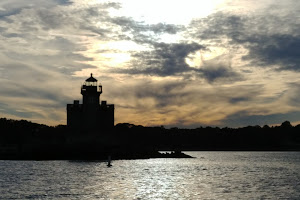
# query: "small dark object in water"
x,y
109,162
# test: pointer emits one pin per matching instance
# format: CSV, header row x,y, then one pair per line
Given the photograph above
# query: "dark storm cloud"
x,y
217,25
164,60
272,38
283,50
13,7
5,13
135,27
141,33
165,28
219,70
223,74
239,99
114,5
10,35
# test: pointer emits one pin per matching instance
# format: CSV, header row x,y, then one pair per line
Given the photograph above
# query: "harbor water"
x,y
211,175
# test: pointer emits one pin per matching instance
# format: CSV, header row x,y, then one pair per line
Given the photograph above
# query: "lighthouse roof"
x,y
91,79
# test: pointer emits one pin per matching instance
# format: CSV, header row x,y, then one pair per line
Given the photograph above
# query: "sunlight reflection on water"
x,y
212,175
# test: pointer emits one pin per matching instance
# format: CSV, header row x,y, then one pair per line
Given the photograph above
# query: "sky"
x,y
192,63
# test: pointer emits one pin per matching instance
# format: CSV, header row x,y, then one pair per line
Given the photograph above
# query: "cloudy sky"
x,y
175,63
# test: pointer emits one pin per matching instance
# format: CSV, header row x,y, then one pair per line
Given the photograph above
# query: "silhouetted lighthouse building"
x,y
91,114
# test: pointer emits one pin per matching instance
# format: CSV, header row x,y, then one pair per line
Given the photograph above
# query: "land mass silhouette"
x,y
21,139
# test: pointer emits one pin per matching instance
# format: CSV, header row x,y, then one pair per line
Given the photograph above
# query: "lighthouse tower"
x,y
91,91
91,114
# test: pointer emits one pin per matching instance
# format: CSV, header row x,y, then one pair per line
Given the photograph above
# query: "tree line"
x,y
282,137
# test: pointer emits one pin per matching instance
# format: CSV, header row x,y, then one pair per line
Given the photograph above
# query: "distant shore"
x,y
20,139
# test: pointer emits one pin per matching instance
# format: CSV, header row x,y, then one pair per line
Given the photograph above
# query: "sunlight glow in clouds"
x,y
114,53
199,58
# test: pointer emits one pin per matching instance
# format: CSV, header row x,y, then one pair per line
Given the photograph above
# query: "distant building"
x,y
91,114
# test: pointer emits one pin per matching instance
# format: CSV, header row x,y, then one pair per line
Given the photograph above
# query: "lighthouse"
x,y
92,114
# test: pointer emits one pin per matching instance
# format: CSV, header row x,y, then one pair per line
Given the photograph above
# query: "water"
x,y
212,175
